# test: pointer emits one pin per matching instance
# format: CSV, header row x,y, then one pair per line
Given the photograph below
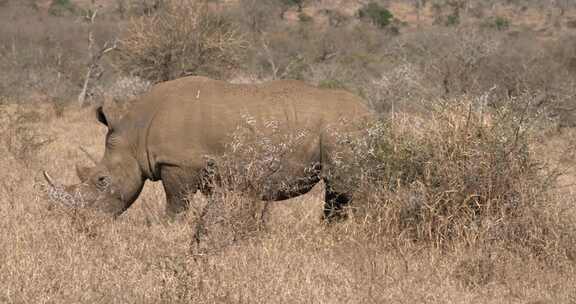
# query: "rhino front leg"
x,y
180,185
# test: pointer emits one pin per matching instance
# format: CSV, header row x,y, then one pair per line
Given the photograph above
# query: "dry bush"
x,y
277,56
258,164
182,38
450,59
255,17
448,63
138,7
396,73
122,90
305,50
399,87
260,156
463,175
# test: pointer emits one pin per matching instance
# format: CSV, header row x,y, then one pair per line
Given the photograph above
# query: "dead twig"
x,y
95,54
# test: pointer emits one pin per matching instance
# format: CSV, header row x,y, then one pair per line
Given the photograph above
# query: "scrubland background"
x,y
465,189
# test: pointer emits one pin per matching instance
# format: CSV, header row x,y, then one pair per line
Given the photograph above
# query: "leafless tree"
x,y
95,53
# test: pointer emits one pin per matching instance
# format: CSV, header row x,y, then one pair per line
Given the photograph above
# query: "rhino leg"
x,y
335,201
180,185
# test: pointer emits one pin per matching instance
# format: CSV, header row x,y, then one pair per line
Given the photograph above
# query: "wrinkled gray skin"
x,y
169,133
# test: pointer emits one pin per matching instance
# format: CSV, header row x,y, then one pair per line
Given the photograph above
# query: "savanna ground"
x,y
466,196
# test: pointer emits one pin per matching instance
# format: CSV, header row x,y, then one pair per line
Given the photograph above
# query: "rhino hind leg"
x,y
335,202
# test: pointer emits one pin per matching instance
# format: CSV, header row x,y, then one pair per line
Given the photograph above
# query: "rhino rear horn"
x,y
82,172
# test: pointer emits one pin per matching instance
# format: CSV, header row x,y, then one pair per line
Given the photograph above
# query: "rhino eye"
x,y
103,183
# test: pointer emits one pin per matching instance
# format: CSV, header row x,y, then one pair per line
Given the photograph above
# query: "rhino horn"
x,y
49,179
90,156
59,195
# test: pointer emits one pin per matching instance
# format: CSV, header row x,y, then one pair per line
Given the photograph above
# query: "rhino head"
x,y
115,182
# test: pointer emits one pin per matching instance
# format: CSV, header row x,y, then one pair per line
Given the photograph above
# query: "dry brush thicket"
x,y
184,38
464,186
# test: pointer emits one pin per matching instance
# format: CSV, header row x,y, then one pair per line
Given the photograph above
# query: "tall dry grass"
x,y
53,255
454,206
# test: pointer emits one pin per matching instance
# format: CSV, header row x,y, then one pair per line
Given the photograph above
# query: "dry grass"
x,y
50,255
454,209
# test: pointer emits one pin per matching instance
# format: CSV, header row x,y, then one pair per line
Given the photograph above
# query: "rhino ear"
x,y
83,172
105,117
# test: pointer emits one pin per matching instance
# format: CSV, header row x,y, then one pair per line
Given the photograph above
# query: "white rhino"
x,y
171,131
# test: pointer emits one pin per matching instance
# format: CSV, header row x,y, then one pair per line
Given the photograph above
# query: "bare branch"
x,y
270,58
94,57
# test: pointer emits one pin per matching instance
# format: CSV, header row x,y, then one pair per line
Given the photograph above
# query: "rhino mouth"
x,y
84,196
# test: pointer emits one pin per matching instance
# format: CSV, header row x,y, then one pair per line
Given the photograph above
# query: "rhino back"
x,y
194,116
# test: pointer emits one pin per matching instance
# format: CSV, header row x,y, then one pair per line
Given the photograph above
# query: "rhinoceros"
x,y
173,133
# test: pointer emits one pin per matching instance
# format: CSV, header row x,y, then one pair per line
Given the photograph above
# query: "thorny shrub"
x,y
258,163
466,173
258,156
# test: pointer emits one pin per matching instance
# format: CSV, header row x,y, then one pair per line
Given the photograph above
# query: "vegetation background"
x,y
465,188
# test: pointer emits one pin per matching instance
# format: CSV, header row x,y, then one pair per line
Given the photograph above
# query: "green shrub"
x,y
502,23
498,23
297,3
376,14
62,8
452,20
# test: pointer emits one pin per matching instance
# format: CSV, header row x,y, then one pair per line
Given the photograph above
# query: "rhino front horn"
x,y
49,179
